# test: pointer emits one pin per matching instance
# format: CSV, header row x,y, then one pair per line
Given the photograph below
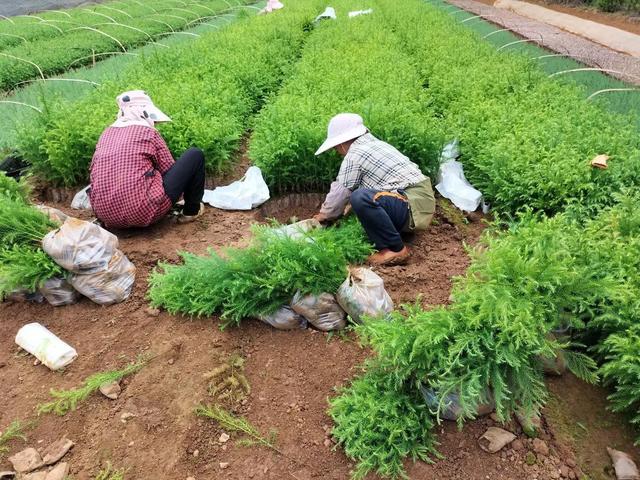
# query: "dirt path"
x,y
291,374
619,20
557,40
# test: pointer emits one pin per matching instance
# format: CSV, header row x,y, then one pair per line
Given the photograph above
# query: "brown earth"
x,y
291,373
621,20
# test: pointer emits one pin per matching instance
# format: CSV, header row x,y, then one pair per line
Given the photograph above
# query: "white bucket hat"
x,y
342,128
137,107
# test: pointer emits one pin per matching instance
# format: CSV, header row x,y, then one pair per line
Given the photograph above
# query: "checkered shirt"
x,y
372,163
126,177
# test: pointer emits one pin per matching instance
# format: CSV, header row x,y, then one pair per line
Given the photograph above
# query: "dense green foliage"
x,y
348,65
526,140
208,93
23,264
379,425
261,278
60,42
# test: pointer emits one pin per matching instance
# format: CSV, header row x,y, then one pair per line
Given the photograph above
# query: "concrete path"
x,y
558,40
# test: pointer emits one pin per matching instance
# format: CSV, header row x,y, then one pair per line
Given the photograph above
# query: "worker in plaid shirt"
x,y
388,193
134,179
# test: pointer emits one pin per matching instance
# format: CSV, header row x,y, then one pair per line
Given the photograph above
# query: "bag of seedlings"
x,y
80,247
452,408
284,319
57,291
53,213
112,285
322,311
363,294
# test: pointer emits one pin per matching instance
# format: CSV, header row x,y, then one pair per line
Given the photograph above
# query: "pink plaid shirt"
x,y
126,177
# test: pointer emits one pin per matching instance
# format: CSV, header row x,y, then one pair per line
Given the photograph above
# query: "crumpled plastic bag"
x,y
249,192
363,294
453,409
57,291
112,285
284,319
53,213
322,311
81,199
329,13
452,184
80,247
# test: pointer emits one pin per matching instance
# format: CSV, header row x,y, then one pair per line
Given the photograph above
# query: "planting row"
x,y
90,35
348,65
527,141
209,88
23,29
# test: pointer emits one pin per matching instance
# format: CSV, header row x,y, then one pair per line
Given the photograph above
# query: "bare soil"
x,y
291,373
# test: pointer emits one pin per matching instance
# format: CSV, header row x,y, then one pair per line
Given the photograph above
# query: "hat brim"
x,y
331,142
156,114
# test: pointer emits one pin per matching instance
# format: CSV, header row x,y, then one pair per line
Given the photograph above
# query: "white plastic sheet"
x,y
297,230
357,13
452,184
249,192
328,13
81,199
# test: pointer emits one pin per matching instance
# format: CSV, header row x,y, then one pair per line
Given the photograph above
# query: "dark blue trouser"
x,y
383,218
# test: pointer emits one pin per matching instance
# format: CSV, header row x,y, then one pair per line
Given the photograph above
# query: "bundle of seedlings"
x,y
259,279
23,264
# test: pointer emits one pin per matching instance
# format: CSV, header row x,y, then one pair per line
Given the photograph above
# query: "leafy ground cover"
x,y
348,65
23,263
35,97
209,93
526,140
40,46
258,280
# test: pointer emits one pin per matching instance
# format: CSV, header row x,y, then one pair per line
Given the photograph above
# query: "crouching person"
x,y
388,193
134,179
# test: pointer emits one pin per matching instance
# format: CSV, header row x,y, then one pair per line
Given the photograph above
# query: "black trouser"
x,y
186,177
383,216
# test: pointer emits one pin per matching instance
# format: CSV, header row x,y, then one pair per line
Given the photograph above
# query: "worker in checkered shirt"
x,y
134,179
388,193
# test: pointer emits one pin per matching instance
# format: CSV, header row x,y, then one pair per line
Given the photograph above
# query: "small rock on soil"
x,y
495,439
56,451
26,461
59,472
111,390
540,447
624,466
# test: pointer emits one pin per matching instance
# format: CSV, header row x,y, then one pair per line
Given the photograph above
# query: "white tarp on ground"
x,y
249,192
614,38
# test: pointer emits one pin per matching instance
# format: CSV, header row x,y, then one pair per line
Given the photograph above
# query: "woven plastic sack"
x,y
113,285
284,319
57,291
53,213
322,311
80,247
363,294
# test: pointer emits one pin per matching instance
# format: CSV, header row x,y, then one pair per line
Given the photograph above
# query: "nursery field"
x,y
486,309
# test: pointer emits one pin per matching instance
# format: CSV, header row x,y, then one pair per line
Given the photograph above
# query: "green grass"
x,y
15,430
111,473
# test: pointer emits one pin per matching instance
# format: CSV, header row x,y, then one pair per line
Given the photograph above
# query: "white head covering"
x,y
342,128
136,108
